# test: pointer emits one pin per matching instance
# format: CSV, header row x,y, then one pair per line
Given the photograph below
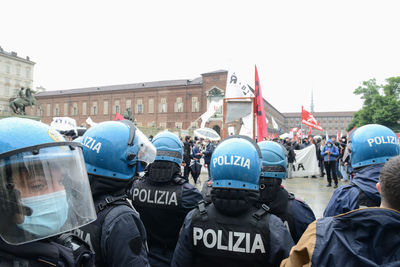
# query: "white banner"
x,y
306,162
90,122
63,124
235,88
212,108
247,126
274,124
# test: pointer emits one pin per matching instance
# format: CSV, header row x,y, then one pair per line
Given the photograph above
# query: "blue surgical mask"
x,y
49,213
329,145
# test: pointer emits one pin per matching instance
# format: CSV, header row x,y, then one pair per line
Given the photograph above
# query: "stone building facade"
x,y
172,104
15,72
332,122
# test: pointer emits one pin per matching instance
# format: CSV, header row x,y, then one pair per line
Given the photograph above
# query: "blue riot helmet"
x,y
372,144
169,147
116,149
44,189
236,164
168,160
274,161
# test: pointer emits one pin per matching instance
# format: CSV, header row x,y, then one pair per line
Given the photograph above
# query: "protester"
x,y
163,198
207,153
115,152
341,160
305,143
363,237
321,158
296,214
337,144
371,146
187,148
291,157
231,231
195,166
44,193
330,153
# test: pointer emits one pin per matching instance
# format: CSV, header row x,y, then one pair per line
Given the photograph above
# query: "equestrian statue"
x,y
25,98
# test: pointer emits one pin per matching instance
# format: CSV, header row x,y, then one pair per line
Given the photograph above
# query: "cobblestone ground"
x,y
312,190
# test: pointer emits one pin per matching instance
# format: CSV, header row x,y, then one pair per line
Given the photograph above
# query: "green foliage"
x,y
381,104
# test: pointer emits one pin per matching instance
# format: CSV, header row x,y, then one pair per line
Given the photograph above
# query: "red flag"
x,y
308,119
262,128
309,131
118,117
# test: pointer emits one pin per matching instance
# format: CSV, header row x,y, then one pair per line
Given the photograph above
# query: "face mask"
x,y
329,145
50,211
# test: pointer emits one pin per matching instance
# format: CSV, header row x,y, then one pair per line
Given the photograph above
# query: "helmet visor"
x,y
147,151
44,191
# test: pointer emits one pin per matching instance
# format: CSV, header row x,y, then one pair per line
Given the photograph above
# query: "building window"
x,y
48,108
84,108
65,109
195,104
194,124
151,105
94,108
75,109
178,125
151,124
18,70
163,105
8,68
139,106
163,125
56,111
27,73
128,104
105,108
178,107
116,107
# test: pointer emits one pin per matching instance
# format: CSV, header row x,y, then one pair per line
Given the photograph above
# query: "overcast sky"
x,y
329,47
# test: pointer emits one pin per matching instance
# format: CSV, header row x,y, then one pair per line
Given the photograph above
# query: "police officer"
x,y
114,152
231,231
363,237
163,198
370,146
295,213
44,193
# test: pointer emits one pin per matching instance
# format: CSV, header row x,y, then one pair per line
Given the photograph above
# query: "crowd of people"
x,y
118,198
333,161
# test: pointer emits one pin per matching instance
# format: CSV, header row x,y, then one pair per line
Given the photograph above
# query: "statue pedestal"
x,y
36,118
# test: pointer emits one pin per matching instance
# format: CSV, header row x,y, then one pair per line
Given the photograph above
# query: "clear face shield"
x,y
44,191
147,151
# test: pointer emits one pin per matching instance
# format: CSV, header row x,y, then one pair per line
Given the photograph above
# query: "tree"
x,y
381,104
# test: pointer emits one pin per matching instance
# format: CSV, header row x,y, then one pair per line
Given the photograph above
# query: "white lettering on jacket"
x,y
160,196
383,140
232,160
237,241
